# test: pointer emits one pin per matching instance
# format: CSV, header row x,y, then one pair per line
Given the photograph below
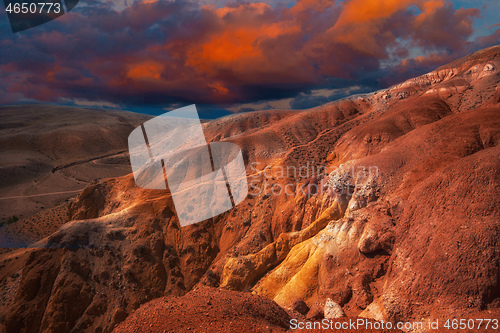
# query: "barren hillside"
x,y
400,223
49,154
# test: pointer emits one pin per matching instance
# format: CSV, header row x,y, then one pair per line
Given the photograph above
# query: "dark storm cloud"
x,y
159,52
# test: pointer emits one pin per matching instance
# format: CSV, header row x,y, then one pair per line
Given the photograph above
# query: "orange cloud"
x,y
219,89
314,5
255,7
362,11
148,70
238,47
235,45
361,22
368,26
429,8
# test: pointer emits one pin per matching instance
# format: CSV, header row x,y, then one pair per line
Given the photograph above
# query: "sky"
x,y
150,56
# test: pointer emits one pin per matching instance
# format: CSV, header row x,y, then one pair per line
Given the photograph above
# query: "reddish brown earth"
x,y
417,240
207,309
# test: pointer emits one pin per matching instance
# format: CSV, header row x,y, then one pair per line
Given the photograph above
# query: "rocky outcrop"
x,y
333,310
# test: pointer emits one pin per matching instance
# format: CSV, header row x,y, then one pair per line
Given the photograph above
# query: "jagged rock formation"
x,y
403,222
